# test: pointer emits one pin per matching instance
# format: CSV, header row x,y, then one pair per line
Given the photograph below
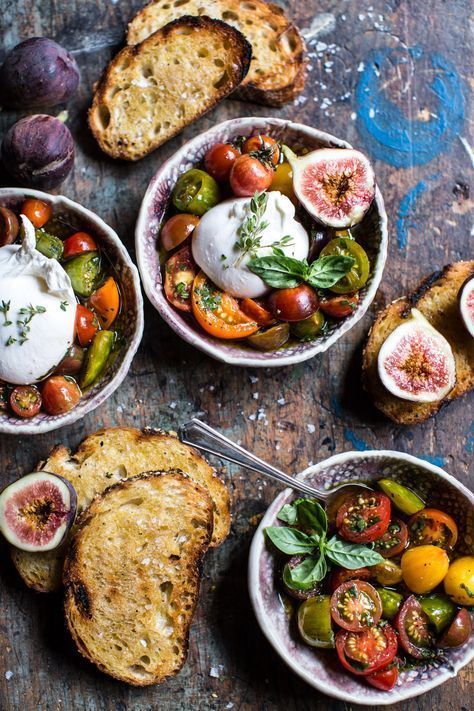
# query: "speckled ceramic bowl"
x,y
151,215
132,317
320,668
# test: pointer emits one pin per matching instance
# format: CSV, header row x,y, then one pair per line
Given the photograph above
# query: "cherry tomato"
x,y
219,160
4,396
269,339
257,312
358,275
458,632
394,540
106,302
78,243
25,400
356,605
339,306
180,270
412,625
9,226
218,313
387,573
342,575
459,581
386,678
60,394
177,229
248,176
72,362
86,325
367,651
433,527
37,211
265,148
293,304
283,181
424,567
364,517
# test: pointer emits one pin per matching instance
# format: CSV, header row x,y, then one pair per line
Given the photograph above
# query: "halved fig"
x,y
37,511
466,304
416,361
335,185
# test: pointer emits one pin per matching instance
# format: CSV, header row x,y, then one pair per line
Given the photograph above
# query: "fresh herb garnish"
x,y
282,272
182,290
4,309
11,341
250,231
29,312
64,305
210,300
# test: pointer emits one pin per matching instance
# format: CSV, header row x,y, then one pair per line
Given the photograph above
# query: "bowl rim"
x,y
30,426
257,547
192,336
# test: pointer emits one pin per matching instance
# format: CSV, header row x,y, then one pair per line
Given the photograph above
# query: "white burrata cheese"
x,y
38,290
214,242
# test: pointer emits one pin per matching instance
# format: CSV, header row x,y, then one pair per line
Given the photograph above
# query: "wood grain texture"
x,y
291,416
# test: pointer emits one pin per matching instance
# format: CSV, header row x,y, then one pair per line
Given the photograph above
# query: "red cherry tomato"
x,y
412,625
386,678
342,575
78,243
257,312
219,160
180,271
339,306
364,517
248,176
25,400
356,605
458,632
37,211
72,362
177,229
433,527
266,148
368,651
86,325
394,540
60,394
293,304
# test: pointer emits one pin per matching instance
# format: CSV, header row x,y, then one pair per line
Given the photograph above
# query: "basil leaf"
x,y
351,555
310,571
312,515
326,271
288,514
278,271
290,540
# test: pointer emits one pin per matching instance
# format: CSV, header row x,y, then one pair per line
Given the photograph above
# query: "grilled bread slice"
x,y
109,456
132,575
437,299
278,66
151,91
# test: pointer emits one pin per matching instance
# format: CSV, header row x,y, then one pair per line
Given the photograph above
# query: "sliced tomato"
x,y
25,400
368,651
394,540
342,575
386,678
433,527
180,270
364,517
412,625
106,302
86,325
257,312
356,605
218,313
78,243
339,306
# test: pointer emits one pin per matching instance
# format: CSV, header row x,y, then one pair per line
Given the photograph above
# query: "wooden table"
x,y
391,77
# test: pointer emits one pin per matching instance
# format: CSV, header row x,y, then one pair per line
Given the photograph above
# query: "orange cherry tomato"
x,y
86,325
60,394
78,243
218,313
249,175
266,148
37,211
219,160
339,306
257,312
423,568
177,229
433,527
106,302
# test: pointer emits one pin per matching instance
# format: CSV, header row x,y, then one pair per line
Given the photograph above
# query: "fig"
x,y
416,361
466,304
37,511
38,72
38,151
335,185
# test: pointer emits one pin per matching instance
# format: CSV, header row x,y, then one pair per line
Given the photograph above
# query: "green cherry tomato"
x,y
83,272
314,621
49,245
439,610
196,192
97,357
309,328
271,338
404,499
391,602
358,275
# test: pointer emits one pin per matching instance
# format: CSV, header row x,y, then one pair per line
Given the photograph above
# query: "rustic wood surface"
x,y
390,76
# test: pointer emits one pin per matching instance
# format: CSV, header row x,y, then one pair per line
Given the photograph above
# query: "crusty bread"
x,y
151,91
131,576
278,67
437,299
109,456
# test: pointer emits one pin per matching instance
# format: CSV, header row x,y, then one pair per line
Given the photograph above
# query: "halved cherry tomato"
x,y
356,605
412,625
219,160
257,312
458,632
433,527
342,575
60,394
386,678
294,304
364,517
37,211
78,243
269,339
72,362
25,400
86,325
177,229
358,275
265,148
368,651
218,313
339,306
394,540
248,176
106,302
180,270
283,181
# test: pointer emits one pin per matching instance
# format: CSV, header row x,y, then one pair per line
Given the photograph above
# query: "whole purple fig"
x,y
38,72
38,151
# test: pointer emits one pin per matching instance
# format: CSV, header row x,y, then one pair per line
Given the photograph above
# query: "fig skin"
x,y
38,151
466,294
38,72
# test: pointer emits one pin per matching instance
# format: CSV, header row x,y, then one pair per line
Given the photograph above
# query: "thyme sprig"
x,y
29,312
4,309
251,230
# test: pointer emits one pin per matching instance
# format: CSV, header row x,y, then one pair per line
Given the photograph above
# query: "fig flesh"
x,y
416,362
335,185
37,511
466,304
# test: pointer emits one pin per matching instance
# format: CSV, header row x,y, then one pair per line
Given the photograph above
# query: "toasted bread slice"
x,y
132,576
109,456
151,91
278,67
437,299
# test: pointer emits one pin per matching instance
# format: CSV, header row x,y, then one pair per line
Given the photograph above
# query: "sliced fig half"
x,y
335,185
37,511
416,361
466,304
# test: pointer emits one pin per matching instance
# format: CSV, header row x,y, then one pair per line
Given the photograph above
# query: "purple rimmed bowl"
x,y
132,315
319,667
154,207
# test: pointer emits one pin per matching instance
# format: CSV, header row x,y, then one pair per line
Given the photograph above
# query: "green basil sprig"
x,y
282,272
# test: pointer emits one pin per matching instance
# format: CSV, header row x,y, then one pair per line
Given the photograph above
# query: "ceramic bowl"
x,y
320,668
107,238
153,209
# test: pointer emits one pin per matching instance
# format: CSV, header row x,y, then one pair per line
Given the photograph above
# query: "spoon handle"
x,y
207,439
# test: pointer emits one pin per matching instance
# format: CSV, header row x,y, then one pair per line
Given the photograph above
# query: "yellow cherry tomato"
x,y
424,567
283,181
459,581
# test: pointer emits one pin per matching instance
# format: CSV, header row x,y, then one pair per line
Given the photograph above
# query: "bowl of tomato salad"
x,y
371,600
244,260
71,311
